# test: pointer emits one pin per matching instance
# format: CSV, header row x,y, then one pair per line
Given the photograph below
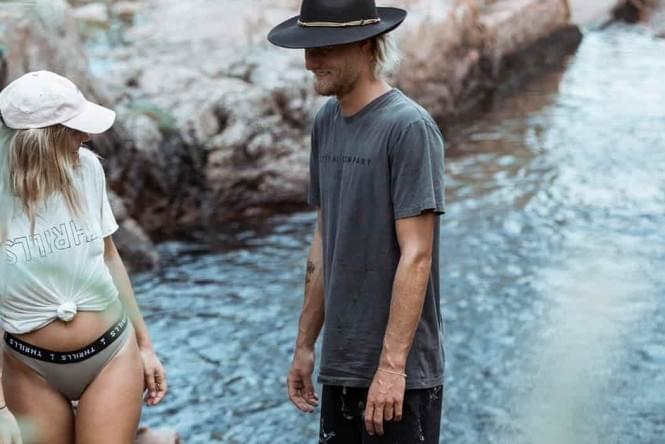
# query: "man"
x,y
372,275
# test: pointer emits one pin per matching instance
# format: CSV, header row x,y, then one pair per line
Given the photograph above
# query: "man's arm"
x,y
416,237
386,395
312,315
301,390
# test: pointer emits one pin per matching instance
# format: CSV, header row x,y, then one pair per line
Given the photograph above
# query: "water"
x,y
552,257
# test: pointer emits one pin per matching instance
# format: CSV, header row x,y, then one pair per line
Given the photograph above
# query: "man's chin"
x,y
323,90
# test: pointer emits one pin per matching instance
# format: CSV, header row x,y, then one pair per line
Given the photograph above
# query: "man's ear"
x,y
367,45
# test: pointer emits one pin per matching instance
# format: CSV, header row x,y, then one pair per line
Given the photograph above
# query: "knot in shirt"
x,y
66,311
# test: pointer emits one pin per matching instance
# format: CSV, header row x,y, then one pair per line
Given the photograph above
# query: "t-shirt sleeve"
x,y
313,193
107,222
416,170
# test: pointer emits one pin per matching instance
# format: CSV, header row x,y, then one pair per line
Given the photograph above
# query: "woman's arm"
x,y
155,377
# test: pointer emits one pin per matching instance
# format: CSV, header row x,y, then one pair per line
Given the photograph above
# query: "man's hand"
x,y
299,381
384,400
9,432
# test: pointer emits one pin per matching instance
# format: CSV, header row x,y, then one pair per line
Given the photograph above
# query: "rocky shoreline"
x,y
649,12
213,126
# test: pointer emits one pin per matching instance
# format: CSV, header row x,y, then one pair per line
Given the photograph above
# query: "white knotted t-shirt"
x,y
59,269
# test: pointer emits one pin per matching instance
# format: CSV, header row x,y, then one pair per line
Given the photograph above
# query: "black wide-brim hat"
x,y
335,22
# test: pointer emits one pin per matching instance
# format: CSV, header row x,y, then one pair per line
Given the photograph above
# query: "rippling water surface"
x,y
553,252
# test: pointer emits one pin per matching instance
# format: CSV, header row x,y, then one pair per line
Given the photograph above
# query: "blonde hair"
x,y
41,162
6,135
386,56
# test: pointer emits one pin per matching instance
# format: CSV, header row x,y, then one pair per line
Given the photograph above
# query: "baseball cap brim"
x,y
94,119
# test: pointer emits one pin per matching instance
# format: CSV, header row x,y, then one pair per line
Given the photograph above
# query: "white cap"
x,y
41,98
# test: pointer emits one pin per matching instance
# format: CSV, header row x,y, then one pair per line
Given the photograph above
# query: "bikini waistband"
x,y
71,357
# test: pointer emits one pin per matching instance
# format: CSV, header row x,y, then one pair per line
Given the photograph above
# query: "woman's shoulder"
x,y
90,161
90,169
86,155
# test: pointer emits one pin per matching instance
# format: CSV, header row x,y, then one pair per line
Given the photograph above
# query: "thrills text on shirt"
x,y
326,158
57,238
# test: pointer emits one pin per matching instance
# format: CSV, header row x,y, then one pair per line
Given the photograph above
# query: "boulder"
x,y
452,59
118,207
259,155
585,12
631,11
137,250
510,26
92,13
439,55
126,10
649,12
149,436
242,120
655,17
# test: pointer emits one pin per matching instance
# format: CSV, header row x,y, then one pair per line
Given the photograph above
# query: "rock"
x,y
260,155
451,60
126,10
28,36
631,11
136,249
144,131
596,12
46,38
656,17
427,71
93,13
510,26
149,436
155,81
649,12
118,207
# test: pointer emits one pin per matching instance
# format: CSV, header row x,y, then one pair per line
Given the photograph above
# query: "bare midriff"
x,y
85,328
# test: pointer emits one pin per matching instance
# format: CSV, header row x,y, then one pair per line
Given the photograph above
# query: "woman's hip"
x,y
70,372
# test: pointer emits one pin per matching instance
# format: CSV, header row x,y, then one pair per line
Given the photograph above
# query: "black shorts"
x,y
342,420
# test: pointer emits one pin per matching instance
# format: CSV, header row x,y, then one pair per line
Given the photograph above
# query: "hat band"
x,y
362,22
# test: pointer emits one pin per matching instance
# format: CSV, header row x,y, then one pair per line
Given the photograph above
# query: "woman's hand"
x,y
9,431
155,377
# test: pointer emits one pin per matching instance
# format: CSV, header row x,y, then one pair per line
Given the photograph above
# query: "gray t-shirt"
x,y
367,170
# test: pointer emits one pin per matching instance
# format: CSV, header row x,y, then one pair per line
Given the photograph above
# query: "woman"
x,y
73,330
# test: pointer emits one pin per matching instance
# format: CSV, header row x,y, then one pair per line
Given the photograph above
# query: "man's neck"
x,y
363,92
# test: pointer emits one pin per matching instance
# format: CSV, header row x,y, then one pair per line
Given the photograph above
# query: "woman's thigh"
x,y
110,408
44,415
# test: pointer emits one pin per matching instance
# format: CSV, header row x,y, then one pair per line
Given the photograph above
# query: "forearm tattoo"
x,y
310,272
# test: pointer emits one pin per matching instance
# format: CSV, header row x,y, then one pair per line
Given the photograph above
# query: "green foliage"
x,y
164,119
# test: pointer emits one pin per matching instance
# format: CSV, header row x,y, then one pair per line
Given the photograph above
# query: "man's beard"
x,y
337,86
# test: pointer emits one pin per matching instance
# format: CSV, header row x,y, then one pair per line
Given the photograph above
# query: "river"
x,y
553,251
